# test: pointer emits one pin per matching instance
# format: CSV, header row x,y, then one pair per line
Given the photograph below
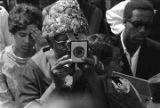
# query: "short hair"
x,y
137,4
99,47
22,15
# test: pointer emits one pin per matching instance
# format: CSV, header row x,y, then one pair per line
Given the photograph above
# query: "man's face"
x,y
138,27
60,42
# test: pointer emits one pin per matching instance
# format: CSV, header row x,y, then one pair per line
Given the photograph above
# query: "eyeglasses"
x,y
139,24
60,38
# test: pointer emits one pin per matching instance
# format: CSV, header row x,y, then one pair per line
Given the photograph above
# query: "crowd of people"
x,y
63,53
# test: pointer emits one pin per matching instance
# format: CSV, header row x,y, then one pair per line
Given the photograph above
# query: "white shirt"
x,y
133,61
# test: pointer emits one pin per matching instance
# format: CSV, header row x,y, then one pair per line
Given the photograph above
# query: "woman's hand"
x,y
61,70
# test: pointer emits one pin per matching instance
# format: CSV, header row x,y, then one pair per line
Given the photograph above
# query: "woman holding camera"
x,y
53,65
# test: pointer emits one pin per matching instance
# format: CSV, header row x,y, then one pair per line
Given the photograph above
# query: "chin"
x,y
138,41
26,50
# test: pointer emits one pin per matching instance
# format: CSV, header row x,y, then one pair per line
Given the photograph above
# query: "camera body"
x,y
79,50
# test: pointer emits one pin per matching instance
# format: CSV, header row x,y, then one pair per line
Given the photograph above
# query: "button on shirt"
x,y
133,61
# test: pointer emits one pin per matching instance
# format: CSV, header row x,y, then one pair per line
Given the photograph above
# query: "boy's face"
x,y
24,41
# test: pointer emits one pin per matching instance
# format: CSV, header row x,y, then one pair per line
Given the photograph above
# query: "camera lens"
x,y
79,52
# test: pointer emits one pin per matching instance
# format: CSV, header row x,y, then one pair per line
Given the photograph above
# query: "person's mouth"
x,y
25,47
140,39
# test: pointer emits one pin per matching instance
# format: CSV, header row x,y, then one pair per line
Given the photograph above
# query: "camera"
x,y
79,50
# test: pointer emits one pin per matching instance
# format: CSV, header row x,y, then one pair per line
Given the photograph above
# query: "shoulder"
x,y
40,61
152,44
41,57
3,11
5,52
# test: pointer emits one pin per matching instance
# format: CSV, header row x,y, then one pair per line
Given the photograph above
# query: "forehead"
x,y
142,15
70,36
28,28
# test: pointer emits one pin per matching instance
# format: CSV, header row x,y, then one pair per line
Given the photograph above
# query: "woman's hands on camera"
x,y
61,70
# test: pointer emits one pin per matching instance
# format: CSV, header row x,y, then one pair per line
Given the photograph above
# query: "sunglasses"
x,y
139,24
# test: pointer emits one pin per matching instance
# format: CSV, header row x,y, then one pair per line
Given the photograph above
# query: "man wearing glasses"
x,y
137,49
146,61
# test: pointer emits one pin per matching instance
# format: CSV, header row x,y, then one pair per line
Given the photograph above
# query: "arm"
x,y
123,93
6,97
2,43
28,89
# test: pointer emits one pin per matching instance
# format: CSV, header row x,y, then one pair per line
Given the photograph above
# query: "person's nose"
x,y
26,39
142,29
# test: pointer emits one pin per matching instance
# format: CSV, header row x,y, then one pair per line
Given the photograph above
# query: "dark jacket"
x,y
148,61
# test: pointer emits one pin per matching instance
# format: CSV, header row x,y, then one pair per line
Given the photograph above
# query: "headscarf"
x,y
65,16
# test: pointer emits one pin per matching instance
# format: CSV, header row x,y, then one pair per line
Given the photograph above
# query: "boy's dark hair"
x,y
137,4
22,15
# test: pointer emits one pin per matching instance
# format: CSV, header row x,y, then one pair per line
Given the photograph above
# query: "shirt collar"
x,y
123,46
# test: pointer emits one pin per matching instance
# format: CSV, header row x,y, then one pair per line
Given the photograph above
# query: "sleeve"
x,y
126,93
6,98
28,89
114,17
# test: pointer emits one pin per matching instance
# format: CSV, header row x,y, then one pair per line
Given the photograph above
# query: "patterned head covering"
x,y
65,16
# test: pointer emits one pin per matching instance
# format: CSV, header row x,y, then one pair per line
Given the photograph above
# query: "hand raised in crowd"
x,y
61,70
37,36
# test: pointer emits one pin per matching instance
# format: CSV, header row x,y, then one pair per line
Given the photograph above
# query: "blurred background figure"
x,y
69,101
5,36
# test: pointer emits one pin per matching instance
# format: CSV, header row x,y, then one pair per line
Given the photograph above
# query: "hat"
x,y
64,16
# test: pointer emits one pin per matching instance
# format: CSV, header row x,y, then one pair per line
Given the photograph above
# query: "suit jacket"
x,y
148,61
